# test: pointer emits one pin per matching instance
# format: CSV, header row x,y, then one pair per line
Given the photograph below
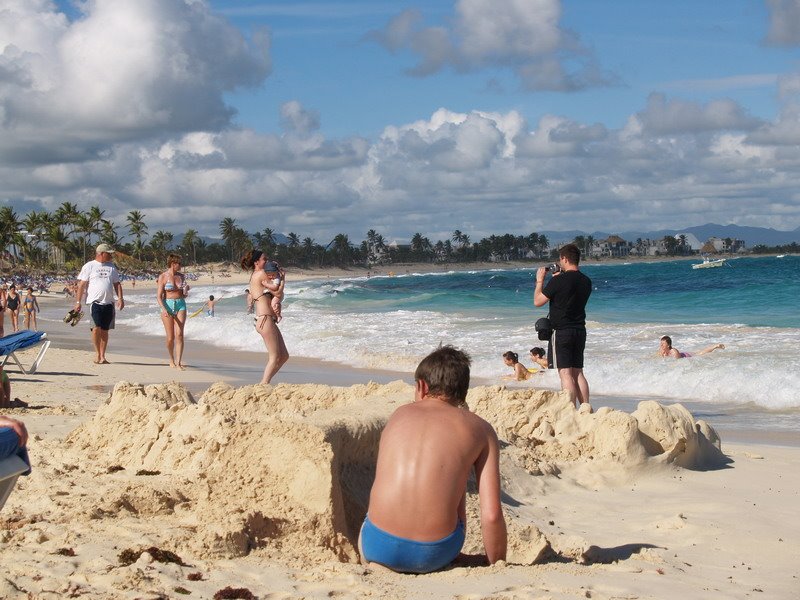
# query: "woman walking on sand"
x,y
12,304
262,288
171,296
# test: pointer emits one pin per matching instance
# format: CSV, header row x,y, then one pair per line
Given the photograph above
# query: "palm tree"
x,y
85,226
58,240
9,225
35,223
227,228
96,215
268,240
341,249
160,244
108,233
138,229
189,242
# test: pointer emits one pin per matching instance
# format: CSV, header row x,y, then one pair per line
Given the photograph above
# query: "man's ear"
x,y
421,389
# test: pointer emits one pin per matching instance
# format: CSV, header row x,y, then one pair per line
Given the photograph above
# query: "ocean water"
x,y
390,322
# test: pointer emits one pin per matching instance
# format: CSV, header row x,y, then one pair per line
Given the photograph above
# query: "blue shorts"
x,y
409,556
175,305
9,446
103,316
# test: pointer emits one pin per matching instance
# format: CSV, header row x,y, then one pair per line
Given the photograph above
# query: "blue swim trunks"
x,y
9,445
409,556
175,305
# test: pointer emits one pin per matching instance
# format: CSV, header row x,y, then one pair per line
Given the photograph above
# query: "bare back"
x,y
427,451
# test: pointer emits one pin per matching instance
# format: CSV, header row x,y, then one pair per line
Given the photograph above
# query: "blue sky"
x,y
488,116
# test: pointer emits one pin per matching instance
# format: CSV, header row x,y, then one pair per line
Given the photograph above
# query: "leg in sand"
x,y
2,320
168,319
276,348
710,349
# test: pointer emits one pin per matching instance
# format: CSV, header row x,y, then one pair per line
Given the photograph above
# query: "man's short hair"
x,y
571,252
446,371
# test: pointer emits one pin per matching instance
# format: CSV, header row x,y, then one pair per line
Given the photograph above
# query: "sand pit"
x,y
285,471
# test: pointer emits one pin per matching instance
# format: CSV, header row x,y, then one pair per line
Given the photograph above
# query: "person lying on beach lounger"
x,y
416,518
512,360
539,357
665,349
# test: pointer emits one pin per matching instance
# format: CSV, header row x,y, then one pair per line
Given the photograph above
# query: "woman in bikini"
x,y
171,296
262,288
31,307
12,304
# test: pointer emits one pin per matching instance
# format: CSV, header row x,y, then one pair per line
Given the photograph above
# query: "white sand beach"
x,y
263,488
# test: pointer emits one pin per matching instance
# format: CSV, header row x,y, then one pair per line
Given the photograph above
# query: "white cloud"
x,y
521,35
124,71
664,116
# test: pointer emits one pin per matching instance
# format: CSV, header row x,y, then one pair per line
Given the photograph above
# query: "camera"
x,y
554,268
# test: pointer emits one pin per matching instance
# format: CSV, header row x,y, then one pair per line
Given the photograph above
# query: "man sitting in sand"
x,y
665,349
416,519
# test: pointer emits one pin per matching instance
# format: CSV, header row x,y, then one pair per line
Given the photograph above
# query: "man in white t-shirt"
x,y
98,280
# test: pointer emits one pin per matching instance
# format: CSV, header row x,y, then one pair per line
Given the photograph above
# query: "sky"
x,y
327,117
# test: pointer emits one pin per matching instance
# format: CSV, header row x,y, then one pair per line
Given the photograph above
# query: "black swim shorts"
x,y
103,316
569,345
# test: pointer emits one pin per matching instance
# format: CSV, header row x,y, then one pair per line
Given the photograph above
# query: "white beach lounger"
x,y
10,469
19,341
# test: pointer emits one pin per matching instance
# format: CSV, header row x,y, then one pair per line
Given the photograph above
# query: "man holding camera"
x,y
567,292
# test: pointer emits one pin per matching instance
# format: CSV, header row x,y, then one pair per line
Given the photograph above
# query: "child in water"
x,y
520,372
209,306
539,357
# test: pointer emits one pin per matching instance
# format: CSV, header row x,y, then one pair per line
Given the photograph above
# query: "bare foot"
x,y
182,367
17,403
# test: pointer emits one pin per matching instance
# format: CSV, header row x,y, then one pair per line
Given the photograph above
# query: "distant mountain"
x,y
752,236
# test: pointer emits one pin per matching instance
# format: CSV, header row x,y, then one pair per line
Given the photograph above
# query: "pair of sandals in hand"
x,y
73,317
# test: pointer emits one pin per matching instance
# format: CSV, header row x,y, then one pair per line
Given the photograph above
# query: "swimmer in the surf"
x,y
520,372
665,349
539,357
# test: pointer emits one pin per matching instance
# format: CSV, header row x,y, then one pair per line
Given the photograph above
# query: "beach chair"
x,y
10,469
19,341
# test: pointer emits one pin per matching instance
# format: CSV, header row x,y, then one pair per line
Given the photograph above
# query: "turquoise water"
x,y
391,322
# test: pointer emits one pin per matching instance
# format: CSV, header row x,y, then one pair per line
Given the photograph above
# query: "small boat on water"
x,y
709,263
780,256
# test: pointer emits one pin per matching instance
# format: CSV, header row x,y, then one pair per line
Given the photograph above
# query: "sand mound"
x,y
547,434
285,471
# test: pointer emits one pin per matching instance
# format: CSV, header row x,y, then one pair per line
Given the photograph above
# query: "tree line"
x,y
66,237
